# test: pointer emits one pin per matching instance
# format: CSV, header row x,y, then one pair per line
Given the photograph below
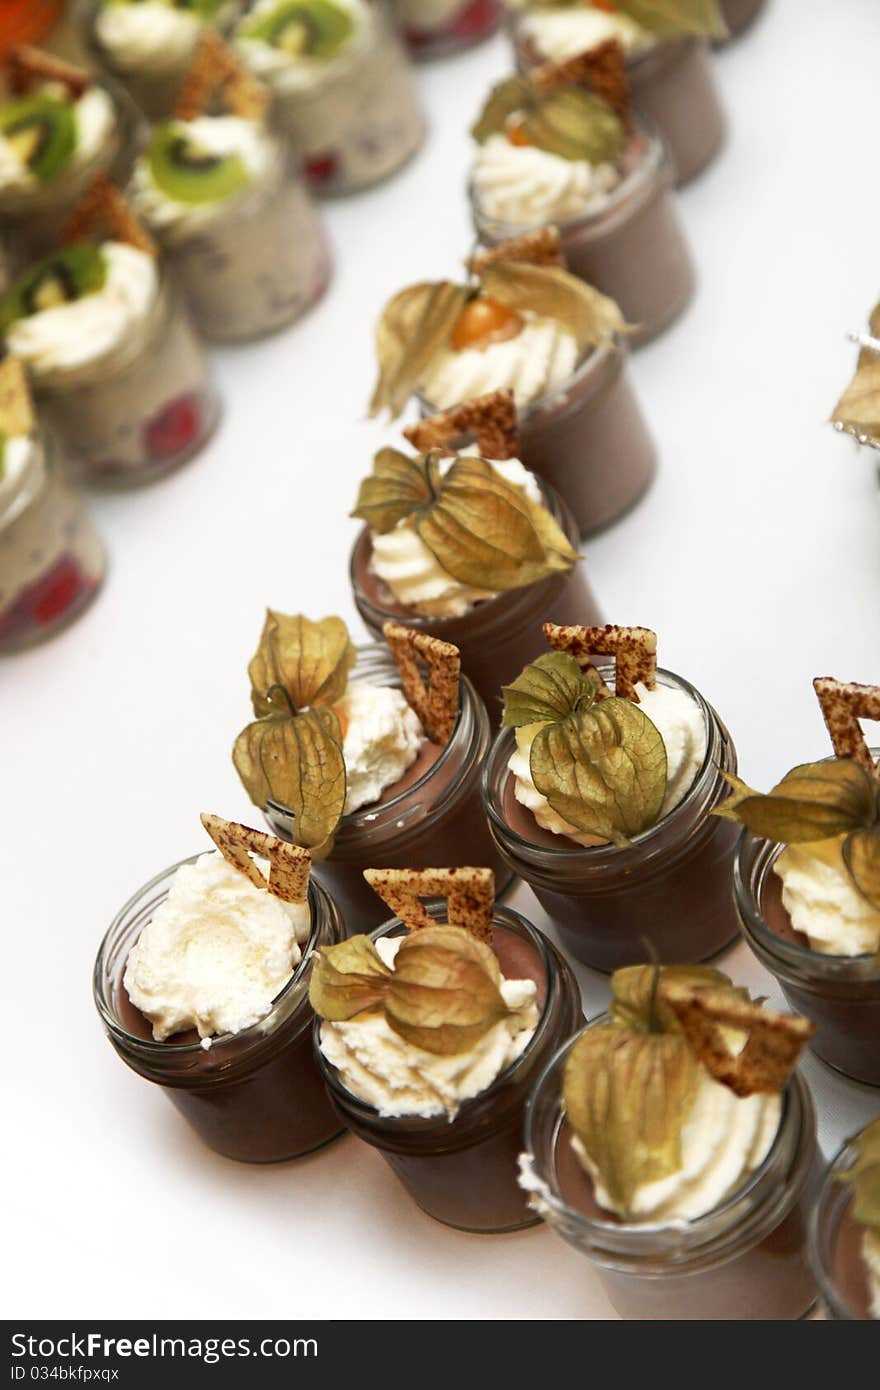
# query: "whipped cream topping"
x,y
824,903
94,119
871,1256
680,723
148,37
396,1078
290,72
723,1139
66,336
215,135
402,560
215,953
526,187
20,452
382,738
542,357
558,34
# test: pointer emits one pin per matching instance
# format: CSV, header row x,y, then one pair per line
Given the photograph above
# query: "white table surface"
x,y
756,557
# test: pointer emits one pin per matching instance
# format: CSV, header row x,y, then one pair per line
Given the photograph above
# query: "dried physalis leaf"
x,y
216,71
602,69
489,420
634,650
104,212
435,703
566,121
858,410
506,99
542,247
299,663
861,855
551,688
412,329
637,994
773,1042
445,992
27,68
669,19
864,1176
843,704
16,406
469,894
814,801
347,979
550,292
289,865
296,762
397,487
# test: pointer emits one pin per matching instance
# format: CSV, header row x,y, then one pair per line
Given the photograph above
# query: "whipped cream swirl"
x,y
824,903
94,120
148,36
526,187
215,135
382,738
557,34
289,72
542,357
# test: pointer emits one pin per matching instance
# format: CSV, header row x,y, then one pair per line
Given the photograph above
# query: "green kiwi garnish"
x,y
302,28
42,131
187,172
61,278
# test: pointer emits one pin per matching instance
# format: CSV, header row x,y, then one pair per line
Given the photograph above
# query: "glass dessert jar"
x,y
462,1172
670,886
432,814
673,85
840,994
836,1246
745,1259
256,1095
497,637
353,117
738,14
632,247
51,559
436,28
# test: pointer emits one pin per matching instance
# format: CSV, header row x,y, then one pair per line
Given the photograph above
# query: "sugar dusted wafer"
x,y
103,211
634,650
289,865
491,419
534,248
469,894
843,704
773,1041
16,405
436,703
602,69
28,68
216,70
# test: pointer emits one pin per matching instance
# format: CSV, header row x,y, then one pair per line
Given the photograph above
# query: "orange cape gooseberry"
x,y
483,321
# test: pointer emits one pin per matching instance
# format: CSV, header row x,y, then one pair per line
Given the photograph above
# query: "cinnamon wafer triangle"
x,y
489,419
104,212
843,704
469,894
289,865
435,701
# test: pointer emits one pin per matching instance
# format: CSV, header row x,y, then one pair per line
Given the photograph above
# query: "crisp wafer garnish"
x,y
215,71
103,211
436,703
16,406
469,894
843,704
534,248
602,69
773,1042
634,650
289,865
490,419
28,68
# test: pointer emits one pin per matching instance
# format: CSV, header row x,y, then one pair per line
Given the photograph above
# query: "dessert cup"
x,y
739,14
671,887
588,439
745,1259
361,121
835,1247
257,1095
437,28
840,994
139,412
632,247
673,85
433,814
462,1172
255,266
51,559
497,637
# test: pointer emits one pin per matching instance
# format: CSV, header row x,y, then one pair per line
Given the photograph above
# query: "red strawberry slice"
x,y
476,19
53,594
322,168
174,428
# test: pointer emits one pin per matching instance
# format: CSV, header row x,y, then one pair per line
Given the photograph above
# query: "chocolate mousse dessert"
x,y
59,129
432,1031
561,146
692,1203
438,28
807,883
602,802
667,55
219,191
51,559
468,546
362,753
857,413
202,987
523,324
345,94
115,365
845,1233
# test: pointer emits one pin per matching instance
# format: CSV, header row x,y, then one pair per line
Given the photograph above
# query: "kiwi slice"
x,y
303,28
42,131
61,278
187,172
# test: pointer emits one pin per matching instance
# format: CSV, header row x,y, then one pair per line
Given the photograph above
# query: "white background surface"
x,y
755,556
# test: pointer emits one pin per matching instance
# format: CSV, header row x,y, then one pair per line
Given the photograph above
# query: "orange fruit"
x,y
483,321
